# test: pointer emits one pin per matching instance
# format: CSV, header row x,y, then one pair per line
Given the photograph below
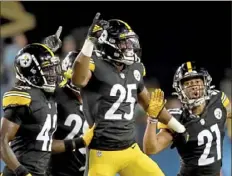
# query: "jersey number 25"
x,y
125,95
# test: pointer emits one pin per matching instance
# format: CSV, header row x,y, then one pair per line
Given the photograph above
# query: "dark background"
x,y
170,32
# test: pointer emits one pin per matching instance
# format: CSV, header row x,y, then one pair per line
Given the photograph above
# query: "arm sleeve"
x,y
16,114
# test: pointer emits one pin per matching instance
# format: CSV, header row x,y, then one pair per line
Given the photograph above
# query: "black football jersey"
x,y
36,113
202,154
109,100
71,124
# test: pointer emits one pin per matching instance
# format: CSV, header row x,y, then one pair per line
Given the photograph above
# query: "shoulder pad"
x,y
18,96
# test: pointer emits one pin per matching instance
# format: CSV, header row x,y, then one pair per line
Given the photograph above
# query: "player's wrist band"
x,y
69,145
21,171
75,143
152,120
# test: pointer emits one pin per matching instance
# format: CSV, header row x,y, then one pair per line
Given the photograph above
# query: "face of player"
x,y
52,72
194,88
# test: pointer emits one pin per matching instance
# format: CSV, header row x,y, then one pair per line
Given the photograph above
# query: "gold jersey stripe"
x,y
144,70
16,100
19,95
223,97
226,102
17,92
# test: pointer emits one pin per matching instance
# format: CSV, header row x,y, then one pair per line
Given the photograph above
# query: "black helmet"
x,y
122,44
37,66
187,71
66,67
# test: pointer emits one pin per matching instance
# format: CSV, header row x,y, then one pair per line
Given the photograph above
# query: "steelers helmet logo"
x,y
25,60
218,113
137,75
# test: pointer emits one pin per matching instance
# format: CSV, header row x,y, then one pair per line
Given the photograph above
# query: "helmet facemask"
x,y
51,74
193,91
129,47
123,49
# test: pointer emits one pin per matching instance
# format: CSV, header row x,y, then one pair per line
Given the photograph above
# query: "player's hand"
x,y
97,29
22,171
53,41
88,135
156,103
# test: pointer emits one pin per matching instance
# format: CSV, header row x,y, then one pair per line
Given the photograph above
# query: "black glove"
x,y
180,138
21,171
97,28
53,41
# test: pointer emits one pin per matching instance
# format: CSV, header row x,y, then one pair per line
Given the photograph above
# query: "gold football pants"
x,y
128,162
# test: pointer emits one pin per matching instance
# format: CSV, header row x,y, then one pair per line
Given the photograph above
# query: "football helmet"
x,y
120,43
196,92
37,66
66,67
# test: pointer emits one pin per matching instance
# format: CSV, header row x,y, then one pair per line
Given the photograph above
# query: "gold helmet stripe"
x,y
48,49
127,25
189,66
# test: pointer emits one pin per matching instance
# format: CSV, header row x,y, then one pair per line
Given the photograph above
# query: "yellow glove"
x,y
88,135
156,103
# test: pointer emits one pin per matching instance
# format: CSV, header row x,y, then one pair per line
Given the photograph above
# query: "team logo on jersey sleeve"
x,y
218,113
137,75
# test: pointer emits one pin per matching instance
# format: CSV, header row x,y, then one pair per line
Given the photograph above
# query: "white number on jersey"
x,y
204,159
50,123
77,127
78,124
123,94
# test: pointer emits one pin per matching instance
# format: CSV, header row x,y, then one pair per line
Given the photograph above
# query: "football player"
x,y
30,115
111,78
204,114
71,123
